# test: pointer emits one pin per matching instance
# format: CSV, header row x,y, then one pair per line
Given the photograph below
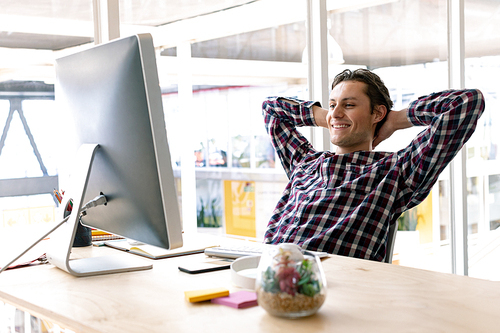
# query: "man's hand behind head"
x,y
396,120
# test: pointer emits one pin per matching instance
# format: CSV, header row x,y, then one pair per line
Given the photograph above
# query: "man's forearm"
x,y
282,116
320,116
399,119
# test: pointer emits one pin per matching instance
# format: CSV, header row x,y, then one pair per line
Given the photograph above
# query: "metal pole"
x,y
317,64
106,20
458,176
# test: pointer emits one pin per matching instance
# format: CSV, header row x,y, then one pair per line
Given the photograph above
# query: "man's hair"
x,y
375,89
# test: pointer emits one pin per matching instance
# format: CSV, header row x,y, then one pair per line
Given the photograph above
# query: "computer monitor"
x,y
114,127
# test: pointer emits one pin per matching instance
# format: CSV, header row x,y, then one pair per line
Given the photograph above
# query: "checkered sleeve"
x,y
282,116
451,118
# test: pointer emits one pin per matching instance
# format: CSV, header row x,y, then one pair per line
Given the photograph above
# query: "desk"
x,y
363,296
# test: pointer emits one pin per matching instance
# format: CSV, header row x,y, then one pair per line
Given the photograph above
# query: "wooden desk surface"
x,y
362,296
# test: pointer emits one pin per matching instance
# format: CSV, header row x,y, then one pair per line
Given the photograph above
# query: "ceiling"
x,y
374,33
59,14
40,41
142,12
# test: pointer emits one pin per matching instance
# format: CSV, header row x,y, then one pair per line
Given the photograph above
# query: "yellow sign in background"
x,y
239,202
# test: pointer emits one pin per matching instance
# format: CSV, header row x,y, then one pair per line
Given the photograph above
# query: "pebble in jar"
x,y
289,283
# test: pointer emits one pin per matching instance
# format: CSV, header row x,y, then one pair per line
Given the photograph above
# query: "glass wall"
x,y
405,43
18,159
237,179
482,67
32,35
231,136
29,149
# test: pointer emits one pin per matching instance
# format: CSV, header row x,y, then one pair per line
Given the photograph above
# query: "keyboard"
x,y
237,251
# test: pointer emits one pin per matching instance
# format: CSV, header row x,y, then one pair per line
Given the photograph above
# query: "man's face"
x,y
350,118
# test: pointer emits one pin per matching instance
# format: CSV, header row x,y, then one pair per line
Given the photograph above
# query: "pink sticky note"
x,y
238,300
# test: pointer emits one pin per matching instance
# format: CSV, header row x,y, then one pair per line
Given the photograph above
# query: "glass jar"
x,y
290,283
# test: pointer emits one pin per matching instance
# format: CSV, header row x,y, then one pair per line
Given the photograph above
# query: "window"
x,y
482,65
237,178
228,175
391,40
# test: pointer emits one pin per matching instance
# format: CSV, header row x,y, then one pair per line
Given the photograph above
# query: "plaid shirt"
x,y
344,204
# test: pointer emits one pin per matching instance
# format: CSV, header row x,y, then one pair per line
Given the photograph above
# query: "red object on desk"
x,y
238,300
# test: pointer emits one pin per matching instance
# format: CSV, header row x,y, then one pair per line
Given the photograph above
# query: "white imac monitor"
x,y
111,102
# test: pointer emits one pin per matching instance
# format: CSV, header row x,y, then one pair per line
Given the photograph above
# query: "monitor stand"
x,y
61,240
63,233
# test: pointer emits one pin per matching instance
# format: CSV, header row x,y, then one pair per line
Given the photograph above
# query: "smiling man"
x,y
343,202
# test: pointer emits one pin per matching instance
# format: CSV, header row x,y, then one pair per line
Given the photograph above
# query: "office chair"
x,y
391,237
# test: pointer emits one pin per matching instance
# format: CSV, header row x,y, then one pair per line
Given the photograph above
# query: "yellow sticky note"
x,y
205,294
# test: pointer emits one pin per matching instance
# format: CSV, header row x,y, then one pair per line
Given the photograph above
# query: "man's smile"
x,y
340,126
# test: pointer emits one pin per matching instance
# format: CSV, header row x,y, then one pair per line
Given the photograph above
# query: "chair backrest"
x,y
393,228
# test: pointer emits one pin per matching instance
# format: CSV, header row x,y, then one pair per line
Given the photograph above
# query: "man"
x,y
344,202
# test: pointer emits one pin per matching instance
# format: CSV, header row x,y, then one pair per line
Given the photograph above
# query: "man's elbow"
x,y
475,98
